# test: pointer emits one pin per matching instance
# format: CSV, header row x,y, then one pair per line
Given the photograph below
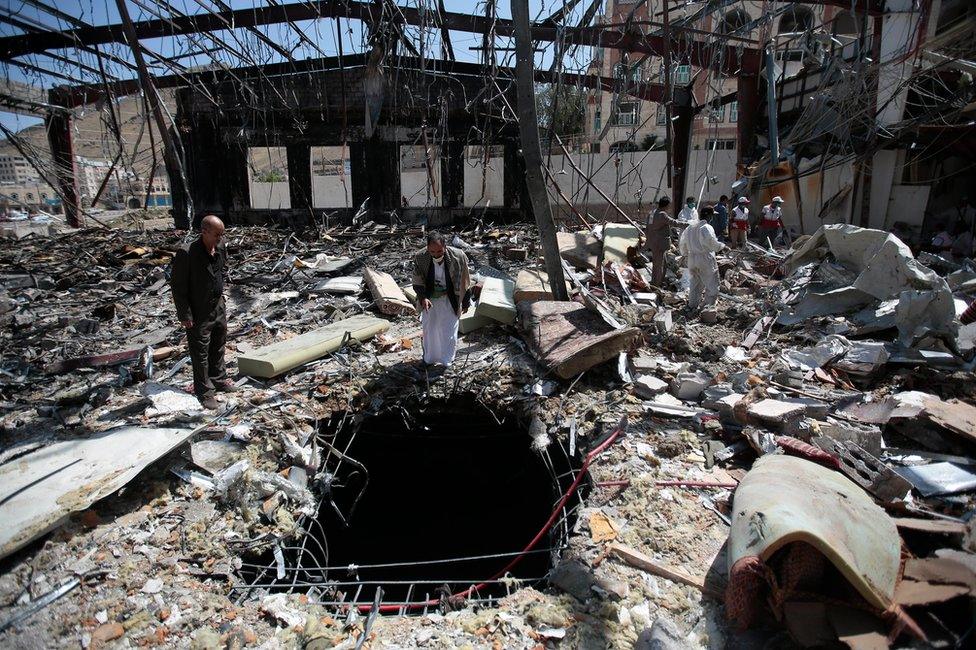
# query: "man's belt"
x,y
438,292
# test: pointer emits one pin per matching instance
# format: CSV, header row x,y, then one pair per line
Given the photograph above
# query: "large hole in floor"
x,y
455,492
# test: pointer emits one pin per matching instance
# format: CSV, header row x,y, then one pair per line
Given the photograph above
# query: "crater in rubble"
x,y
427,501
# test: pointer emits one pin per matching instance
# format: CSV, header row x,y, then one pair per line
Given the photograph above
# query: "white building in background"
x,y
30,194
804,35
91,173
15,170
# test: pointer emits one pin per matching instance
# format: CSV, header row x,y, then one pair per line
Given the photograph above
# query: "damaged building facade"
x,y
602,464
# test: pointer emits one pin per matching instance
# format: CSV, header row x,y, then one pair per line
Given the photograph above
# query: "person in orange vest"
x,y
739,223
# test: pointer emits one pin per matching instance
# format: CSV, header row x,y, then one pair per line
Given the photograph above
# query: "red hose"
x,y
590,457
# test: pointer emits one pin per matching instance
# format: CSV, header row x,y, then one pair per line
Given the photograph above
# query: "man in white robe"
x,y
443,285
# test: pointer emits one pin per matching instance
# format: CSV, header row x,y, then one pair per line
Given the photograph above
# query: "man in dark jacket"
x,y
657,239
443,286
198,291
720,220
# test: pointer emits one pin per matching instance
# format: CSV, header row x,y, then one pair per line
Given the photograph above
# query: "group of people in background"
x,y
705,233
734,226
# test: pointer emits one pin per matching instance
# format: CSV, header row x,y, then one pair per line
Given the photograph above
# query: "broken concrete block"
x,y
533,284
663,321
708,316
663,635
775,411
516,254
569,339
167,400
497,300
864,435
667,405
215,455
866,470
813,408
277,358
409,293
712,395
863,358
617,238
647,386
471,321
643,364
388,297
580,249
579,581
689,385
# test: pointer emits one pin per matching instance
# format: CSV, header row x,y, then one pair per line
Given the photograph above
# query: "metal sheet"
x,y
38,490
938,478
785,499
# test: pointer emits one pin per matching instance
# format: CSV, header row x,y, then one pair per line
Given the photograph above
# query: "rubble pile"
x,y
798,460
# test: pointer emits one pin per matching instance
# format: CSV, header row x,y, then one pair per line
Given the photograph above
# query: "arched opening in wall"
x,y
792,41
731,24
424,500
846,30
133,203
795,20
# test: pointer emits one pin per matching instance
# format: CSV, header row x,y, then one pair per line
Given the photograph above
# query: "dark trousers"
x,y
207,339
657,267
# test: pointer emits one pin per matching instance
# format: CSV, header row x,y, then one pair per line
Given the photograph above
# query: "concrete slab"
x,y
277,358
471,321
775,411
617,238
388,297
497,300
689,385
580,249
647,386
533,284
663,321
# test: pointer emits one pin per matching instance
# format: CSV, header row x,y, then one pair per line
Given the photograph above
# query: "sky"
x,y
321,33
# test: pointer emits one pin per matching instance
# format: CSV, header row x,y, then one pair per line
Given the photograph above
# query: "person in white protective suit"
x,y
698,245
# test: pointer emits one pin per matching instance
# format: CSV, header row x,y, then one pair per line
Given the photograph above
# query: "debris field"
x,y
795,467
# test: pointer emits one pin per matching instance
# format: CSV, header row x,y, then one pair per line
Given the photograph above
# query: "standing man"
x,y
771,223
739,225
698,246
720,222
198,290
443,286
657,235
689,212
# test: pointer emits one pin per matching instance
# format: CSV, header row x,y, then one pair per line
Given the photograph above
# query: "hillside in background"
x,y
94,138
